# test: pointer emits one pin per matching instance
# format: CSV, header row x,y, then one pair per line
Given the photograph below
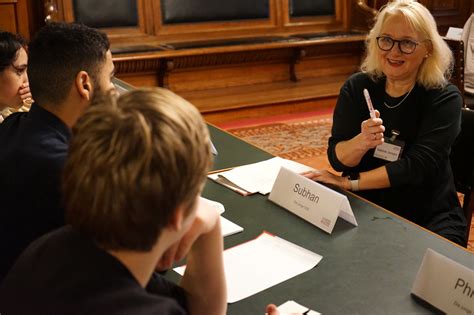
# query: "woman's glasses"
x,y
406,46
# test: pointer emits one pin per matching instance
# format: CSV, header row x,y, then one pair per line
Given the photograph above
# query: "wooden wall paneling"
x,y
103,14
14,17
36,16
457,75
22,19
213,30
62,11
322,82
261,95
328,66
144,79
130,35
446,12
449,12
270,110
201,11
228,76
138,71
8,16
325,23
362,15
219,79
223,78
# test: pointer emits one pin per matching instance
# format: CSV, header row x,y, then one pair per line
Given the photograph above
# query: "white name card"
x,y
310,200
454,33
445,284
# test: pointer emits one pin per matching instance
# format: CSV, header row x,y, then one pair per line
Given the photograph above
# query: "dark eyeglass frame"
x,y
399,42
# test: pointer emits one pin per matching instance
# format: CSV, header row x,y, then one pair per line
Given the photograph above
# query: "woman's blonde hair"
x,y
132,162
435,70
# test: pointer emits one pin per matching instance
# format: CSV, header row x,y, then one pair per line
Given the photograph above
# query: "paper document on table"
x,y
260,177
227,183
291,307
228,227
208,203
261,263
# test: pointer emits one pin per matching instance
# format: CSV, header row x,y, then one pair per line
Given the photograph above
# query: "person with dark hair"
x,y
68,65
15,92
131,186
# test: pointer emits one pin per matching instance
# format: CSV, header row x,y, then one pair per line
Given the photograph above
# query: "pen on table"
x,y
219,170
221,179
369,104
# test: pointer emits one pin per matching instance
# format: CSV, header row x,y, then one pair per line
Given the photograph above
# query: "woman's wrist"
x,y
346,183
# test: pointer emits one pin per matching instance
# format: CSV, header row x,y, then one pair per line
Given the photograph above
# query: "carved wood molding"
x,y
235,58
291,53
334,49
366,9
137,65
457,74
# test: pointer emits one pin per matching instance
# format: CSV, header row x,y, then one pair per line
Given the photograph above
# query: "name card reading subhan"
x,y
445,284
310,200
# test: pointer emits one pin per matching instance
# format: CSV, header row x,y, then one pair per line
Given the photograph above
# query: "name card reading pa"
x,y
445,284
310,200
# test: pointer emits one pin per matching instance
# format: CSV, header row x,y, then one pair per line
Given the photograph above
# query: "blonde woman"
x,y
399,157
14,88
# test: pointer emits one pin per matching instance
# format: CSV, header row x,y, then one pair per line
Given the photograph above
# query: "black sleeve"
x,y
160,286
439,126
348,115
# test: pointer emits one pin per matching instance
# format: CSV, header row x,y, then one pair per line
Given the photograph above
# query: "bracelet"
x,y
354,180
354,185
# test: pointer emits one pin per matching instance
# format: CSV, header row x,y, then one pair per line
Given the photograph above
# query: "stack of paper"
x,y
291,307
257,177
228,227
262,263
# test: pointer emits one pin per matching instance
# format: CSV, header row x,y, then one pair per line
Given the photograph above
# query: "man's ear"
x,y
84,85
177,218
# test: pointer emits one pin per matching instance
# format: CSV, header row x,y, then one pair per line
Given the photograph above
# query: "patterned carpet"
x,y
303,140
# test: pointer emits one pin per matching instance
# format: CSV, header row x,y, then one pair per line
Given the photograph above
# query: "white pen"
x,y
369,104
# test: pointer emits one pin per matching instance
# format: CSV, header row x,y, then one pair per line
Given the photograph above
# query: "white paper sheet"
x,y
262,263
454,33
208,203
259,177
228,227
291,307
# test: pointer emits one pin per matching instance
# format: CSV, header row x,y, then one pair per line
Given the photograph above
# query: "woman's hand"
x,y
351,152
324,176
371,132
25,94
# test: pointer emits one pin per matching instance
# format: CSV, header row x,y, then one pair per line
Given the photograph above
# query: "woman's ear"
x,y
429,49
84,85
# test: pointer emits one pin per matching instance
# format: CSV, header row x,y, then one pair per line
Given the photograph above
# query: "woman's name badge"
x,y
391,149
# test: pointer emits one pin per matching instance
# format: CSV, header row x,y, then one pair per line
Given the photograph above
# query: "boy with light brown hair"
x,y
135,170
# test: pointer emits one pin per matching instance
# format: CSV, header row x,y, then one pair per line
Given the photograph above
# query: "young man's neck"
x,y
68,112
